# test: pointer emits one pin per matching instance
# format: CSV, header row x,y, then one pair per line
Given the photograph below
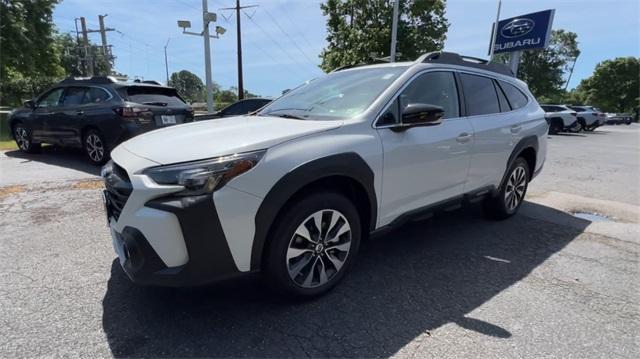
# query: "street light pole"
x,y
394,31
495,32
207,56
166,62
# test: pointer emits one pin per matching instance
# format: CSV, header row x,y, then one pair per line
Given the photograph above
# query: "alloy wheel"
x,y
95,148
22,138
516,185
319,248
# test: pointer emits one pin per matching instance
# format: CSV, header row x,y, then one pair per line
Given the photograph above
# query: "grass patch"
x,y
7,145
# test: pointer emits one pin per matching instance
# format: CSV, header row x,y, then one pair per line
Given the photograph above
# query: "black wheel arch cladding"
x,y
525,144
349,165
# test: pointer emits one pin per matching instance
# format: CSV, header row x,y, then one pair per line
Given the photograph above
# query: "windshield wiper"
x,y
285,115
163,104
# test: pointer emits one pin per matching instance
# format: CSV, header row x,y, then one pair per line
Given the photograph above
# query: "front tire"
x,y
95,148
512,192
24,139
314,244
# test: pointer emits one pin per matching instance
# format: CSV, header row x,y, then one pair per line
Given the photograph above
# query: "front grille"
x,y
118,185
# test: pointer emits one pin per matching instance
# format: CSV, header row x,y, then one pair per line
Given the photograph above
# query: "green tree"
x,y
189,86
544,70
358,30
29,59
614,85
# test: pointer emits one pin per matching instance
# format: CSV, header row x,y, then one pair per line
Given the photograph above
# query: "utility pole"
x,y
237,8
88,60
394,31
106,52
166,63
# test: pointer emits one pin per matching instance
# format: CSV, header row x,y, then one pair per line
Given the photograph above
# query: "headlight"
x,y
204,176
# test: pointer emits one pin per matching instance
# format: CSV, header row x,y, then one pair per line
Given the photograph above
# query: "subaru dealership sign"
x,y
531,31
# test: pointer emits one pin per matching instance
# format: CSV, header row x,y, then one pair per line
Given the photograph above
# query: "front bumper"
x,y
164,239
209,256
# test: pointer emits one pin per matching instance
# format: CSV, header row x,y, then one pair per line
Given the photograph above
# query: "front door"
x,y
424,165
46,107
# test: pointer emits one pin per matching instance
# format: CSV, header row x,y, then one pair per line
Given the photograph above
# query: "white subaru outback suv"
x,y
293,189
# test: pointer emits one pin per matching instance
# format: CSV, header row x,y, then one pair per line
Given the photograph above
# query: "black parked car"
x,y
241,107
96,114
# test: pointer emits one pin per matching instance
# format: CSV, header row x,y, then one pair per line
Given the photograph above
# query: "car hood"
x,y
212,138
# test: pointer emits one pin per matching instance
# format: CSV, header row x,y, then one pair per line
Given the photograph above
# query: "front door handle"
x,y
464,137
79,112
515,129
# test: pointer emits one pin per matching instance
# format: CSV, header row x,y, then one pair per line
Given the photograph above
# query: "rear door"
x,y
494,127
167,106
66,124
424,165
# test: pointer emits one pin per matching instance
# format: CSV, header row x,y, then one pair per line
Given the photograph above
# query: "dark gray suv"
x,y
96,114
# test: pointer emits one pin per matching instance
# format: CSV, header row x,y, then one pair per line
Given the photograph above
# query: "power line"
x,y
299,31
287,35
274,41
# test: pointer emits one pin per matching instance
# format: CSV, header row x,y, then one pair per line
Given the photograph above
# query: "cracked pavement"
x,y
542,284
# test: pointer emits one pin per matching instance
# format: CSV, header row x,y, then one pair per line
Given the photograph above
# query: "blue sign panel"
x,y
530,31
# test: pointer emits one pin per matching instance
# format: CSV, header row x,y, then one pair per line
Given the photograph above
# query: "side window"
x,y
73,96
391,116
51,99
95,95
433,88
480,95
516,98
502,99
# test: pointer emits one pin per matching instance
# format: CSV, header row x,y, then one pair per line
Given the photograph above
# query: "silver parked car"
x,y
561,118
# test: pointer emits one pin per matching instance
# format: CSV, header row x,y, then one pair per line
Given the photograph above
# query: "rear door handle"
x,y
464,137
80,112
515,129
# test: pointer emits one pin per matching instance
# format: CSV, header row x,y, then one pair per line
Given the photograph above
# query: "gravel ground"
x,y
542,284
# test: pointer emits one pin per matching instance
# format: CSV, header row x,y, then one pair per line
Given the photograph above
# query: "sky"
x,y
282,38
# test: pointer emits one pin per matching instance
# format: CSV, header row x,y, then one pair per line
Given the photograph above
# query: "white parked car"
x,y
292,190
589,117
618,118
561,118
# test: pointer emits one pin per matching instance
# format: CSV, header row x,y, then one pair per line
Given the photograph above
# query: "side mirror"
x,y
420,114
30,104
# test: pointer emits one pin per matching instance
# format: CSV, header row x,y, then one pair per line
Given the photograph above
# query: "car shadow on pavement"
x,y
569,134
59,156
406,284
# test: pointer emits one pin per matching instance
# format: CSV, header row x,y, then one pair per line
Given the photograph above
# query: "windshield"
x,y
338,95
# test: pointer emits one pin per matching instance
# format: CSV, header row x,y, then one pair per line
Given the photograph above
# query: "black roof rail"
x,y
92,79
451,58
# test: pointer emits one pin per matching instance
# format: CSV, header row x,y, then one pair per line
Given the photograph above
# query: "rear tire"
x,y
313,245
95,148
511,193
24,139
555,127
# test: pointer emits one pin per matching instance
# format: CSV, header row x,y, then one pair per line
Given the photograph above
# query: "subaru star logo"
x,y
517,27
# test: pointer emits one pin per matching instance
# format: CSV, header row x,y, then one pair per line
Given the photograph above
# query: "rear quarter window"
x,y
516,98
151,95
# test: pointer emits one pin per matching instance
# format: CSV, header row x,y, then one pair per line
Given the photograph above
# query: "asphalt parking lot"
x,y
542,284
